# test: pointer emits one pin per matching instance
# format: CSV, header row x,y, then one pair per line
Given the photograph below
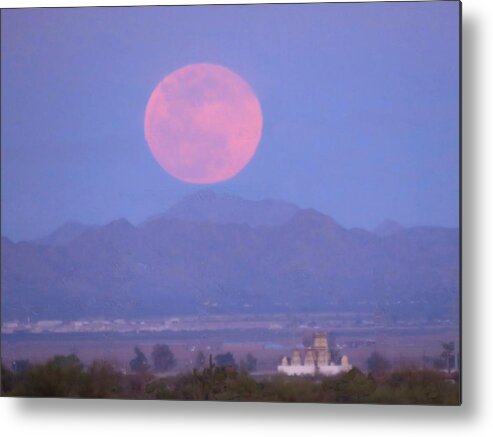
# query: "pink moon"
x,y
203,123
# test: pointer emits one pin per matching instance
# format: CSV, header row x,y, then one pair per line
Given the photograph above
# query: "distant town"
x,y
219,322
268,337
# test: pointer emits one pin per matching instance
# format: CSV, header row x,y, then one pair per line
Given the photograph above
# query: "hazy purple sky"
x,y
360,106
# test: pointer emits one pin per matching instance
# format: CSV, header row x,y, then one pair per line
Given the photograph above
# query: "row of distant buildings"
x,y
315,359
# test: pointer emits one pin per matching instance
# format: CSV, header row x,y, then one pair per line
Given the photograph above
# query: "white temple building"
x,y
317,360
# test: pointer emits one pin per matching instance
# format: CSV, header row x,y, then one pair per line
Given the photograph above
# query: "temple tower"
x,y
310,357
346,367
296,358
321,347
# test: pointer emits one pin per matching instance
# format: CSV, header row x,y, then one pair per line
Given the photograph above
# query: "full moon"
x,y
203,123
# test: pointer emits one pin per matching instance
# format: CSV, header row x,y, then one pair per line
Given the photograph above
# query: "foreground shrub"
x,y
65,376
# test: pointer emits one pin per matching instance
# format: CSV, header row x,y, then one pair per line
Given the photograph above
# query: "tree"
x,y
21,366
163,358
448,353
439,363
225,360
103,380
8,380
200,360
377,363
249,364
335,353
61,376
139,363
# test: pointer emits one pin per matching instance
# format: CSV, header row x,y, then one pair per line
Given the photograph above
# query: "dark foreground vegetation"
x,y
66,376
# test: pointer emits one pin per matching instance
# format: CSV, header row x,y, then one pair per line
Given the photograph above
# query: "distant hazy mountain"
x,y
171,265
65,234
206,205
387,227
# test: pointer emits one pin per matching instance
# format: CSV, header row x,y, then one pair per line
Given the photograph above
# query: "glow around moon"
x,y
203,123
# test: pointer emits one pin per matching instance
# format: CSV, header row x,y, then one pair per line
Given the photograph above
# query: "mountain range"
x,y
223,254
